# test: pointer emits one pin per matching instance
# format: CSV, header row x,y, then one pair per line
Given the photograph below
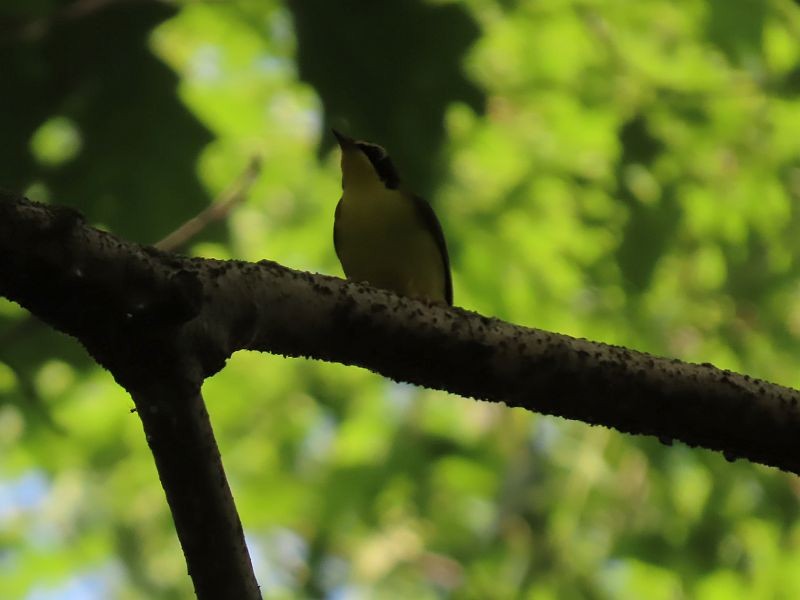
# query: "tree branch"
x,y
216,211
141,317
180,436
147,315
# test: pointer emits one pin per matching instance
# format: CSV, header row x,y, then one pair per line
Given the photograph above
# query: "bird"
x,y
385,235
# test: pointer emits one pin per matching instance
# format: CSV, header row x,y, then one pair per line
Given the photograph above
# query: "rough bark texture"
x,y
112,294
147,315
179,434
106,294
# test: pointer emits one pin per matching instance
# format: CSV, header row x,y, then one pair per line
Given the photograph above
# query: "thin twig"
x,y
36,29
218,210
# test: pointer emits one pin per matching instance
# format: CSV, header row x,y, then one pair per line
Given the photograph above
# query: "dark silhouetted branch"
x,y
150,316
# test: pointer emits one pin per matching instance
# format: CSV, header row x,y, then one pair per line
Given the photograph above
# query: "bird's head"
x,y
364,163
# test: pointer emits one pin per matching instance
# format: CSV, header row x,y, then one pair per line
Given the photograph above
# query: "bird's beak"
x,y
344,141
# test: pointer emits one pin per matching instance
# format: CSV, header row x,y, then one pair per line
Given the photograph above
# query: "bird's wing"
x,y
432,224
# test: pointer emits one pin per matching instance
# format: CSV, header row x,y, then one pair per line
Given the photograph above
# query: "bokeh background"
x,y
622,171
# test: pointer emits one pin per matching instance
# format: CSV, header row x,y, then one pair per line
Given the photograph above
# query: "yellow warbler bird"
x,y
385,235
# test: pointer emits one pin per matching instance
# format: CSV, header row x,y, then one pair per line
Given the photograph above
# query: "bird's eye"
x,y
374,152
381,163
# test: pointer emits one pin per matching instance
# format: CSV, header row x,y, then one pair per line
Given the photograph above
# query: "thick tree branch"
x,y
218,210
146,315
141,322
101,289
179,434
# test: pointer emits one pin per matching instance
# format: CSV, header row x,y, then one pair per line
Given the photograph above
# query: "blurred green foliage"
x,y
626,172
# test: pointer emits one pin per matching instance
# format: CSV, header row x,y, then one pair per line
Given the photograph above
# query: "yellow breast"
x,y
381,239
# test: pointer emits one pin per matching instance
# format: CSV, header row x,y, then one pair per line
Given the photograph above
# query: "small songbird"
x,y
385,235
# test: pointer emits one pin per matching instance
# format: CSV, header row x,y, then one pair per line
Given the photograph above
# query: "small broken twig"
x,y
218,210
